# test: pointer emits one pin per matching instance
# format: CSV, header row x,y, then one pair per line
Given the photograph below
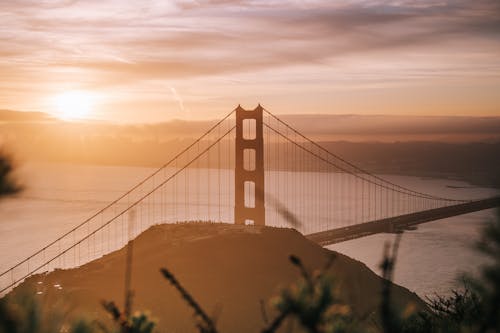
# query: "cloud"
x,y
194,35
112,43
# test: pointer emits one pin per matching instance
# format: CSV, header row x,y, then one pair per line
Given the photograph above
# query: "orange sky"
x,y
149,61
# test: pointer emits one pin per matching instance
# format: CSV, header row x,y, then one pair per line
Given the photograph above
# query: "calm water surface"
x,y
57,197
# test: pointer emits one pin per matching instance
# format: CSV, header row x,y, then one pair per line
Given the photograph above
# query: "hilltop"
x,y
229,269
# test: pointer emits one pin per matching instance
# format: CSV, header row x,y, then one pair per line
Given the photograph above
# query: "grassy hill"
x,y
229,269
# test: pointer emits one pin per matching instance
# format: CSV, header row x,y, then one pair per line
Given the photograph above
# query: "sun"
x,y
73,105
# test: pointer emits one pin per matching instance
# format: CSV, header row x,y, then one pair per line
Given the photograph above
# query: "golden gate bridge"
x,y
250,167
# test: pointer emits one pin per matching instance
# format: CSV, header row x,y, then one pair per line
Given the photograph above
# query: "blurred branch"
x,y
283,211
207,325
389,320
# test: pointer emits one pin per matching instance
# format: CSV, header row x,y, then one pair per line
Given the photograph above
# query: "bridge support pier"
x,y
249,167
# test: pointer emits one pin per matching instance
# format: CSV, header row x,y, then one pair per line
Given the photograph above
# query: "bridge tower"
x,y
249,167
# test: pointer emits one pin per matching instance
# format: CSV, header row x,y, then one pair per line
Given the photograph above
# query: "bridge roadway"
x,y
400,223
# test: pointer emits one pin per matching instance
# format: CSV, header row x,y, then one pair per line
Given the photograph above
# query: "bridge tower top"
x,y
249,205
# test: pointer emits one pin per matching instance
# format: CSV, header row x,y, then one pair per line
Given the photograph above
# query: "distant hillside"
x,y
476,162
226,267
466,148
320,127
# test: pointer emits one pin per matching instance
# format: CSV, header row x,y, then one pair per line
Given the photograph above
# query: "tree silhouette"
x,y
8,186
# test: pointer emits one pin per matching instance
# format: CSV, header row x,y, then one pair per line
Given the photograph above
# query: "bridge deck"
x,y
399,223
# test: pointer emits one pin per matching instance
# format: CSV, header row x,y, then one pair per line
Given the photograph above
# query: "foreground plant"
x,y
474,308
137,323
488,288
24,314
8,186
311,302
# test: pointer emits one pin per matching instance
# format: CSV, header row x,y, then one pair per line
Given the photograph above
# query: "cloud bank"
x,y
130,46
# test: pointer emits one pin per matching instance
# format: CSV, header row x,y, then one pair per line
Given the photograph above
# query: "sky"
x,y
151,61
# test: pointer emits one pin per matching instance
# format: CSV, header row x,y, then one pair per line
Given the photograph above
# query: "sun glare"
x,y
73,105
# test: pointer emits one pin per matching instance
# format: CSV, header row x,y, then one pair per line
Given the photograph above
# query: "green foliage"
x,y
140,323
473,308
137,323
82,326
488,288
25,315
458,312
462,307
312,303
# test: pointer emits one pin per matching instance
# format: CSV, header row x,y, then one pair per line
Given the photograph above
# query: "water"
x,y
432,258
58,197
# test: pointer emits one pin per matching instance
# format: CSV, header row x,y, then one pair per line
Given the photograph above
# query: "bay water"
x,y
59,196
